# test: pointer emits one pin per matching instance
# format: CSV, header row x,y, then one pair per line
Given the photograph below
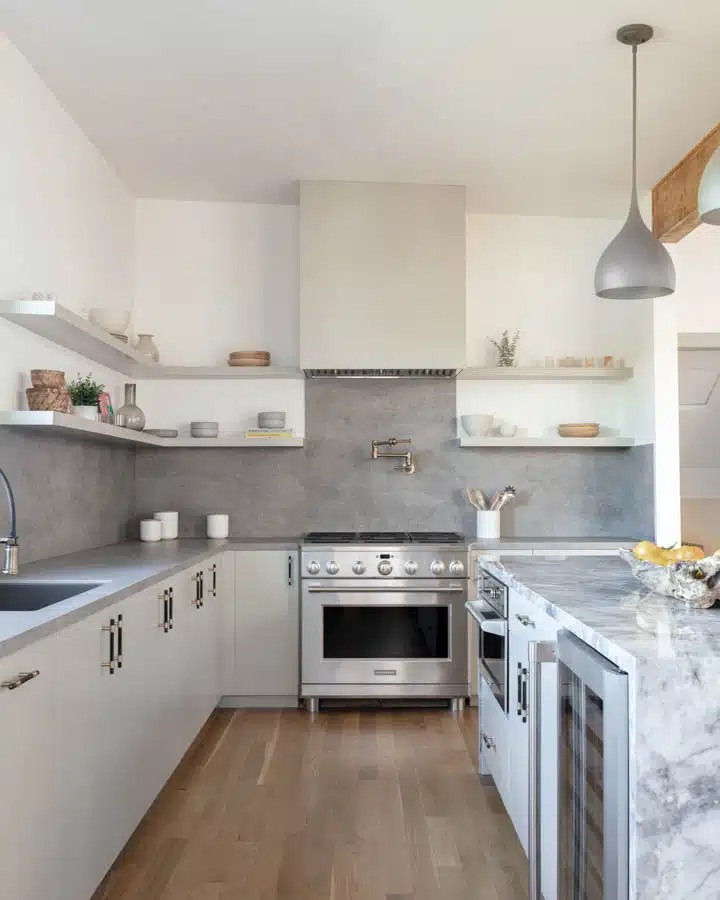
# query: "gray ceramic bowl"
x,y
271,420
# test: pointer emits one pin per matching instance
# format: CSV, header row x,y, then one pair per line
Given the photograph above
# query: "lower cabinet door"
x,y
266,623
494,740
29,825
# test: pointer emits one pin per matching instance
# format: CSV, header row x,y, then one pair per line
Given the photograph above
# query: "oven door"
x,y
492,648
409,633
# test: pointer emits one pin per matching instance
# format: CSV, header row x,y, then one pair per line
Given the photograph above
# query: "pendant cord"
x,y
633,197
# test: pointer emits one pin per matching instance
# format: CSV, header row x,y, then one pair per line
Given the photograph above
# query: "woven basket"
x,y
47,378
49,399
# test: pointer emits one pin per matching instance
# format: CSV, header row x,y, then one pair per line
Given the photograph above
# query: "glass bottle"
x,y
130,415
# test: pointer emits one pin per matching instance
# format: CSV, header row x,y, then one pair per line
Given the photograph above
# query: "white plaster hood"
x,y
382,279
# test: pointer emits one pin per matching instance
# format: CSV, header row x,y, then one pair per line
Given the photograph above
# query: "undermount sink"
x,y
24,596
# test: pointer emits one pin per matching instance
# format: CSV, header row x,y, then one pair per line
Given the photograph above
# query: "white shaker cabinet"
x,y
266,626
29,823
527,623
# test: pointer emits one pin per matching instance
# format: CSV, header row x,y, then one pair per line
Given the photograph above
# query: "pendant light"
x,y
709,191
635,265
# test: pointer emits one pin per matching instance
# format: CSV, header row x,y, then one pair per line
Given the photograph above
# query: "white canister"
x,y
488,524
150,530
218,525
169,522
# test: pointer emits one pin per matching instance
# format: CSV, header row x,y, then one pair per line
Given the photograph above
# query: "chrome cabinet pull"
x,y
488,741
519,689
525,620
170,608
19,680
110,664
202,588
522,698
213,572
165,624
290,571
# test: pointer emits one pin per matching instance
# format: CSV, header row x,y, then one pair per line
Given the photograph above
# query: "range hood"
x,y
382,280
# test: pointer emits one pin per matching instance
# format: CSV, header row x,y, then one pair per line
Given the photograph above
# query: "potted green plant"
x,y
84,393
506,348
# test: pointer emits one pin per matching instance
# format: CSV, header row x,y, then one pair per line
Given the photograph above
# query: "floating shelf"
x,y
54,322
218,372
62,423
585,443
538,373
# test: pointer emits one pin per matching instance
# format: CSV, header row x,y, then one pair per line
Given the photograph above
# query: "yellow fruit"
x,y
659,558
688,553
645,550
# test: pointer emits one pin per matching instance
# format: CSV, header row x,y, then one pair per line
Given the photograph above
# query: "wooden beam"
x,y
675,197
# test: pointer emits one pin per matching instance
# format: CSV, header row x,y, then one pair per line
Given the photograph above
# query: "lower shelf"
x,y
585,443
62,423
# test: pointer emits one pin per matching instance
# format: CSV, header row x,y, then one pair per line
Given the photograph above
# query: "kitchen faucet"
x,y
408,465
10,563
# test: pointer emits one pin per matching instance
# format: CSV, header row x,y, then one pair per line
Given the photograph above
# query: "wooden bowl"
x,y
47,378
49,399
251,361
579,430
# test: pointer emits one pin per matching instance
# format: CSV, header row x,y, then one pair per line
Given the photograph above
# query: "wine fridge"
x,y
592,787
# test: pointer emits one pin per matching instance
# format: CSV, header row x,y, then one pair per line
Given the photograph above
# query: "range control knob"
x,y
359,567
332,568
437,567
411,567
384,567
313,567
456,568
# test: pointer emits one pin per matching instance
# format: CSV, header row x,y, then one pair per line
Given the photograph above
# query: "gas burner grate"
x,y
383,537
329,537
436,537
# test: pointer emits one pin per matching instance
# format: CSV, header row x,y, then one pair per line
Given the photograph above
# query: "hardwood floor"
x,y
371,805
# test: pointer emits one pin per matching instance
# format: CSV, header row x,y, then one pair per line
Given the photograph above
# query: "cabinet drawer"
x,y
524,614
494,739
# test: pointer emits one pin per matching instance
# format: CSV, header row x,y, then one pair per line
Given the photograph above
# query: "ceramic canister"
x,y
218,525
169,522
150,530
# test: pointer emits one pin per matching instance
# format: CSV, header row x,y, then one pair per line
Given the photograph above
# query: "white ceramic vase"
x,y
147,346
86,412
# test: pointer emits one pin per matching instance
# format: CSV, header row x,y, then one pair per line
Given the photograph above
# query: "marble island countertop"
x,y
119,570
598,599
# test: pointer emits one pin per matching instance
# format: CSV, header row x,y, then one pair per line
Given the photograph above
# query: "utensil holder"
x,y
488,524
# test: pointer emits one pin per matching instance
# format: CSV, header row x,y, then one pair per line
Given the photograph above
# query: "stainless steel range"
x,y
382,616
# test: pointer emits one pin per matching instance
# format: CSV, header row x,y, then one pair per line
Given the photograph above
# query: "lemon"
x,y
645,550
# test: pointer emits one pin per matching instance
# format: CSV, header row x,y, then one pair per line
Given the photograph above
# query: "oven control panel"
x,y
380,562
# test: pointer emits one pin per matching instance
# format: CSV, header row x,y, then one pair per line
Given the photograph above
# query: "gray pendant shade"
x,y
635,265
709,191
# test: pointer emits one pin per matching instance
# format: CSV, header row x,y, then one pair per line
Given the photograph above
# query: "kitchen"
x,y
179,724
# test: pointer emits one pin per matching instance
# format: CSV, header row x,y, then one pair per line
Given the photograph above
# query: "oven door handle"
x,y
497,627
383,589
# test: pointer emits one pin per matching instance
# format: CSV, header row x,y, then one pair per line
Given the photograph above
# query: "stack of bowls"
x,y
48,391
204,429
271,420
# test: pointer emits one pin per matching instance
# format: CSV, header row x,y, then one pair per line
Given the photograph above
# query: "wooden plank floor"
x,y
370,805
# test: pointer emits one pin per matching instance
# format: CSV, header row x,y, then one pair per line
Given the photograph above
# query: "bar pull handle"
x,y
119,656
213,572
539,652
290,571
110,664
525,620
165,624
19,680
519,689
170,608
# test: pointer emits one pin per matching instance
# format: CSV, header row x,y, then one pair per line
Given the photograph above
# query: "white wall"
x,y
66,222
216,277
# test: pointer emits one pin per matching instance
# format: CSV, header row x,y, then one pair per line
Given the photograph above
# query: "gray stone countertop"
x,y
572,544
119,570
599,600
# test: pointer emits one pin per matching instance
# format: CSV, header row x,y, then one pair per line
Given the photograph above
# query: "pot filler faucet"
x,y
408,464
10,562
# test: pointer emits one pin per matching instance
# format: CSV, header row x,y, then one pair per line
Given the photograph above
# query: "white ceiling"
x,y
527,103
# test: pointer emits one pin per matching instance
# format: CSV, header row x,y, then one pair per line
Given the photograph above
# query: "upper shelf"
x,y
540,373
50,320
61,423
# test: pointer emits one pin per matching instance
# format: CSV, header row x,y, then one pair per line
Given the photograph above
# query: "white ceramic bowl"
x,y
113,320
204,429
477,424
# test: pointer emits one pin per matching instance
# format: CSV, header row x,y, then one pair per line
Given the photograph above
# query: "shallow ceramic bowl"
x,y
113,320
477,424
271,420
162,432
204,429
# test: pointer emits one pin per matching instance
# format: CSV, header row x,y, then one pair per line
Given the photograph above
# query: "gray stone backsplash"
x,y
333,484
71,494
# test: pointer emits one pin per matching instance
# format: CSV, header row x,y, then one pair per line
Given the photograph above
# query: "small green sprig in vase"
x,y
506,348
85,393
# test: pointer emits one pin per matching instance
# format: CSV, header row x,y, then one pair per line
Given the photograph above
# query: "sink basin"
x,y
23,596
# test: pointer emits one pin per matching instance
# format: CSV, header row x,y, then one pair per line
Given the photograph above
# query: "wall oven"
x,y
489,609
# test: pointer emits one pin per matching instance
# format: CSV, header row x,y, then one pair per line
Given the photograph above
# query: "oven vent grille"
x,y
381,373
